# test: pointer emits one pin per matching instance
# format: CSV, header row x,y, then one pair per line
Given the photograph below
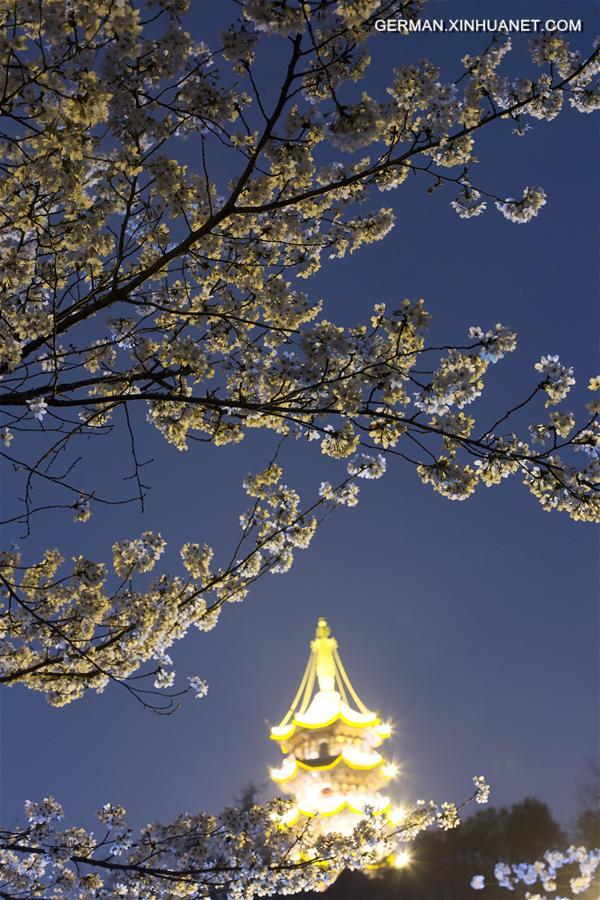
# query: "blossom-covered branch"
x,y
64,632
573,870
245,853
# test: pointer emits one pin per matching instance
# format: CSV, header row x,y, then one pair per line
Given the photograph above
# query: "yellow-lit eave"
x,y
280,734
328,766
344,806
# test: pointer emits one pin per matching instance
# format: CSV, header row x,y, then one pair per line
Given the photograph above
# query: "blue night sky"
x,y
473,626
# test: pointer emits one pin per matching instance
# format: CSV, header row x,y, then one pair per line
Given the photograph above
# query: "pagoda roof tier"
x,y
350,757
337,732
326,708
342,780
334,699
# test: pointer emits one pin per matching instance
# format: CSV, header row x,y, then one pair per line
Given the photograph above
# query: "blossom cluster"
x,y
525,209
580,866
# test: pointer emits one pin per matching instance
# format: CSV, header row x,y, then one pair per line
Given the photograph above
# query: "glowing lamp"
x,y
401,860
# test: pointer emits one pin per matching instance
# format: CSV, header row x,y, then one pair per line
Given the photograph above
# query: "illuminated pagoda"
x,y
332,768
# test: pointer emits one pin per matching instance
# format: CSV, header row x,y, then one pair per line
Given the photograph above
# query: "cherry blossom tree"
x,y
132,280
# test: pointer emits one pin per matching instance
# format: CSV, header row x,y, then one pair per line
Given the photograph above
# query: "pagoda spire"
x,y
324,646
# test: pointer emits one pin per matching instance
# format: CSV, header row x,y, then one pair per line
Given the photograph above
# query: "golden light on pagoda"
x,y
332,767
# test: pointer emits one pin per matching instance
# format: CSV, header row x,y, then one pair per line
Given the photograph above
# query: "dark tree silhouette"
x,y
587,826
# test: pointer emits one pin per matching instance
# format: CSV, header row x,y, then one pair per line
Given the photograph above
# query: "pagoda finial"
x,y
322,630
